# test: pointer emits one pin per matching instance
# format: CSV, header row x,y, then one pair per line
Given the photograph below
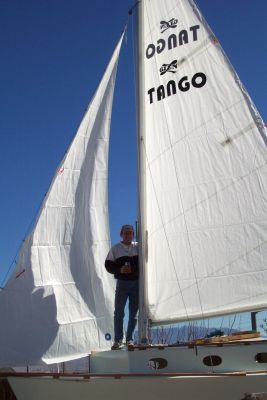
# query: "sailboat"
x,y
202,231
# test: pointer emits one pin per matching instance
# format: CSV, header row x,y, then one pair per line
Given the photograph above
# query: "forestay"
x,y
58,304
205,162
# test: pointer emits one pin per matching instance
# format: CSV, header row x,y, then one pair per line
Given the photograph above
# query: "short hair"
x,y
126,228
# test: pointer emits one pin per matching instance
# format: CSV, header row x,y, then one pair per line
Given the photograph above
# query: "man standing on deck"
x,y
122,261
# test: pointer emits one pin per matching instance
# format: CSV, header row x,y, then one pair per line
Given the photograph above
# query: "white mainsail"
x,y
58,303
205,171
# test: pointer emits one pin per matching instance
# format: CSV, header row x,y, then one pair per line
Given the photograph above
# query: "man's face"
x,y
127,236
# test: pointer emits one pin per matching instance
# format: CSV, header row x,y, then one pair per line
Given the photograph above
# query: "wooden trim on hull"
x,y
199,342
118,376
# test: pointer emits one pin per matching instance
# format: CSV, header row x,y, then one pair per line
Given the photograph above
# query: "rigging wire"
x,y
143,320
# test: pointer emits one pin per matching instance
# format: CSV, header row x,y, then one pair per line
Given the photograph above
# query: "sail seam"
x,y
211,227
230,264
191,133
68,244
78,321
213,277
236,181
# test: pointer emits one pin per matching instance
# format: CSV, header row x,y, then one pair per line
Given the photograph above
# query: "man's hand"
x,y
126,268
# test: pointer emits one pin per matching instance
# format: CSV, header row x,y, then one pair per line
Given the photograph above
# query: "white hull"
x,y
156,373
230,357
149,388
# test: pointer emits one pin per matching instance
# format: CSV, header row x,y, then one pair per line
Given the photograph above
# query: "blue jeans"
x,y
125,290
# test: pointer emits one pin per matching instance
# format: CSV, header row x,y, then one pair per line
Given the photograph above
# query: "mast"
x,y
143,319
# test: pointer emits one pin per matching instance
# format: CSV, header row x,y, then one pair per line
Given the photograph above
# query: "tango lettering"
x,y
172,87
174,40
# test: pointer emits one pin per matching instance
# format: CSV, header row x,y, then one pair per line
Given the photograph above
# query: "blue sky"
x,y
53,53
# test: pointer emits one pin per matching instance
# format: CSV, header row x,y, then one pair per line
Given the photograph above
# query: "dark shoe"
x,y
117,346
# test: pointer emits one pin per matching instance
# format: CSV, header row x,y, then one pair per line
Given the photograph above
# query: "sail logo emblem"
x,y
164,25
157,363
172,67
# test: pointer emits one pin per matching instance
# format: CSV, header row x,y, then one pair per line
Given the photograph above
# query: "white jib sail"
x,y
58,304
206,176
